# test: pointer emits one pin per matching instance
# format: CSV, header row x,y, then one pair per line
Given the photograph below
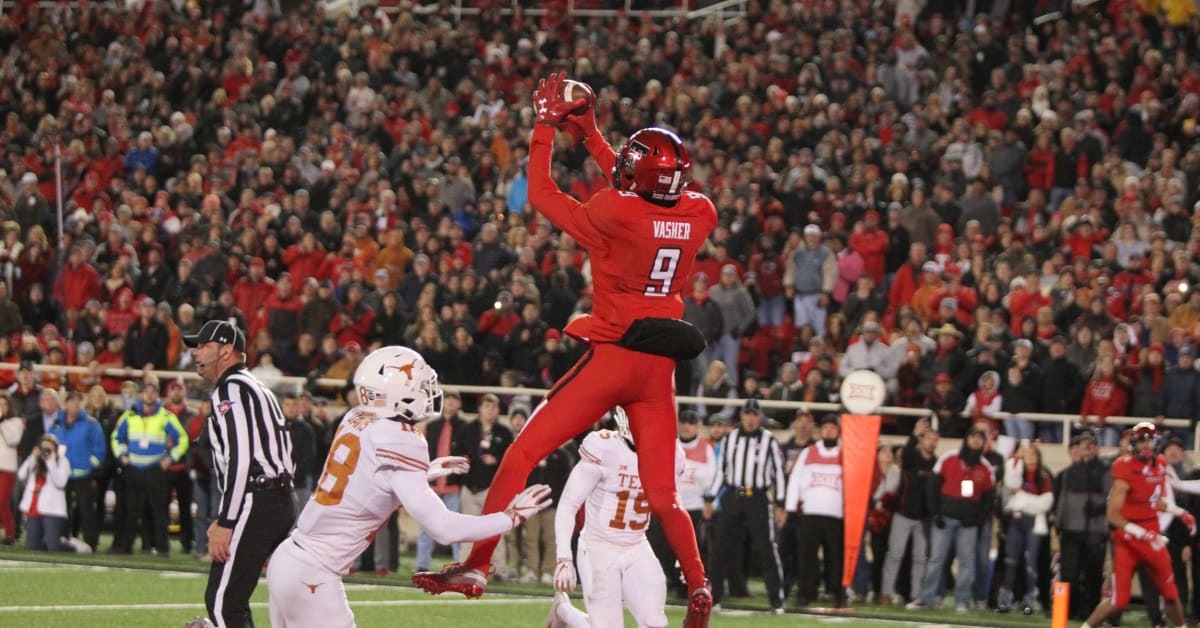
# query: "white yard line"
x,y
133,607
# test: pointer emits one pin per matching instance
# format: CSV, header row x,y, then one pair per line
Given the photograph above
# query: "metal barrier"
x,y
300,384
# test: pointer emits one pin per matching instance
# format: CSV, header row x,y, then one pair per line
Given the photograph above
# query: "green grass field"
x,y
42,590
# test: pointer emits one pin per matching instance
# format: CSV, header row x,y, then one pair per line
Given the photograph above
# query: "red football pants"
x,y
1128,553
7,480
606,376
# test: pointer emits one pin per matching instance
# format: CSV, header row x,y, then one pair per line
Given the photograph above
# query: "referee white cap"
x,y
223,332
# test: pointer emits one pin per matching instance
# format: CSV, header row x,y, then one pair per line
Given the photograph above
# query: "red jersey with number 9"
x,y
641,253
1146,487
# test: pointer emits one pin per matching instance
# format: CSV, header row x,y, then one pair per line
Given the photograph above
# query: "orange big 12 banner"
x,y
860,439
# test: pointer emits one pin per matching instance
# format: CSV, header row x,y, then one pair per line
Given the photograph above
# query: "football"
x,y
575,90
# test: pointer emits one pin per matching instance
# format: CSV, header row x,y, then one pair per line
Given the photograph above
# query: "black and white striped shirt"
x,y
750,460
249,438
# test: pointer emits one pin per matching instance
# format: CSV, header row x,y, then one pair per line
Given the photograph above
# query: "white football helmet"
x,y
622,420
397,383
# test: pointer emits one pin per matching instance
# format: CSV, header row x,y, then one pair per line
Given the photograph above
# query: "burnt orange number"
x,y
339,470
640,507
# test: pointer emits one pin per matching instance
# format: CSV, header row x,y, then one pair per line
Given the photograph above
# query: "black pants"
x,y
1083,566
267,517
828,535
739,518
81,510
666,557
145,498
181,485
789,551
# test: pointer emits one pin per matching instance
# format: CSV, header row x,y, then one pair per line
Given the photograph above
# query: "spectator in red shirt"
x,y
77,283
1106,395
871,243
254,289
305,258
496,323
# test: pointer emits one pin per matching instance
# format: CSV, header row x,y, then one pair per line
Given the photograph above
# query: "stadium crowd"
x,y
990,204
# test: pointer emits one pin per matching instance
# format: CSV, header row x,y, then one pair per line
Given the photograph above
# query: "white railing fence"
x,y
300,384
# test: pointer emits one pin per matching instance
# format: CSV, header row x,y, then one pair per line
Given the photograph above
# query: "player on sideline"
x,y
642,236
1139,492
616,562
377,463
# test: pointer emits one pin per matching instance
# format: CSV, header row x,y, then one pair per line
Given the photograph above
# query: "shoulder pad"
x,y
396,447
595,446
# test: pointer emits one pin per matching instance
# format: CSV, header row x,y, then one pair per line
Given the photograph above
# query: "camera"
x,y
47,452
497,305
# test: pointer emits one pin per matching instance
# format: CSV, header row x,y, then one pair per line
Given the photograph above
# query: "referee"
x,y
750,483
252,460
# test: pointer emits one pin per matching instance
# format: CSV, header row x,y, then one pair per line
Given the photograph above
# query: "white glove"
x,y
1156,541
564,575
447,465
528,503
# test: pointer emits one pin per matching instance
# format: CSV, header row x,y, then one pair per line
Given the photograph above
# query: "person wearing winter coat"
x,y
11,429
1104,396
737,317
1029,496
83,438
45,474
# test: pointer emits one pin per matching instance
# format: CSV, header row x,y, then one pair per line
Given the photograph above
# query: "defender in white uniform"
x,y
616,563
377,463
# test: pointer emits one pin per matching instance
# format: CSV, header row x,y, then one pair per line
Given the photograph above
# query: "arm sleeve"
x,y
236,425
564,211
60,472
792,499
580,484
96,445
777,461
719,476
26,469
829,273
120,437
176,433
601,151
431,514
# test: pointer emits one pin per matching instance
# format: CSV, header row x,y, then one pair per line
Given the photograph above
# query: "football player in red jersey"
x,y
1139,492
642,236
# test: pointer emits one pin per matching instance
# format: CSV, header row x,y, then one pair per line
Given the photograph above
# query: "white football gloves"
x,y
564,575
528,503
447,465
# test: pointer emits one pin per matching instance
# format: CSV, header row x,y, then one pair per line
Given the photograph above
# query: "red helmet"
x,y
654,164
1142,432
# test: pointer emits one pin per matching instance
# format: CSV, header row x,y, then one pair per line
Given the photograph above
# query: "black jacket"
x,y
304,451
479,478
1062,387
1179,397
915,470
146,345
458,440
1023,397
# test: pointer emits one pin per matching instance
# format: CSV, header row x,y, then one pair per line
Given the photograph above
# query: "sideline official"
x,y
751,485
252,462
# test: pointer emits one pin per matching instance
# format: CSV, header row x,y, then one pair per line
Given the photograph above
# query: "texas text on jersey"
x,y
616,510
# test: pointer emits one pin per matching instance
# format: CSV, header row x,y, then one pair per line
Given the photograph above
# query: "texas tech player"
x,y
616,562
1138,494
378,462
642,236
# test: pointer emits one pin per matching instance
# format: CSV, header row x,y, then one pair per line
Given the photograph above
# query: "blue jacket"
x,y
84,440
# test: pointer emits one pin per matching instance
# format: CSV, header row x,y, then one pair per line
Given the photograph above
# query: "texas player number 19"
x,y
662,272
